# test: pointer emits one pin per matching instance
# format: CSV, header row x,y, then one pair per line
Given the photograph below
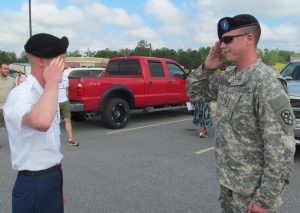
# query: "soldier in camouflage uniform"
x,y
254,141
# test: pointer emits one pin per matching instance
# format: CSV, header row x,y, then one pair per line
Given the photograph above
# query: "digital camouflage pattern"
x,y
254,140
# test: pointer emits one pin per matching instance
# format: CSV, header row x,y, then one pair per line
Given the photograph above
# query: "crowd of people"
x,y
254,141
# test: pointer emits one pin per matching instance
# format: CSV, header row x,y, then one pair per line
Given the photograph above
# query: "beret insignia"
x,y
224,24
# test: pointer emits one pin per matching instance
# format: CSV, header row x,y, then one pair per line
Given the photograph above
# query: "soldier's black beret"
x,y
46,46
227,24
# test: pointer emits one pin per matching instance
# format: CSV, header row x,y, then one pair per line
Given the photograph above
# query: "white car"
x,y
291,72
83,72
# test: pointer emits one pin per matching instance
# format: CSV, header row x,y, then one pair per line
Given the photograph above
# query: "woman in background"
x,y
202,117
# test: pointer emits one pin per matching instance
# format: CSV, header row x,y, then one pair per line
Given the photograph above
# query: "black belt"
x,y
40,172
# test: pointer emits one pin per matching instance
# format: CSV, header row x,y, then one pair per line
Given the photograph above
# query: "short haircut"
x,y
255,30
2,64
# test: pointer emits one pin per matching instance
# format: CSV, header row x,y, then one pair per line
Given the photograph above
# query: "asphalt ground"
x,y
157,164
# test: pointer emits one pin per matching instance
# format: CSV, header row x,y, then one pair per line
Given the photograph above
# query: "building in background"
x,y
295,57
86,62
72,62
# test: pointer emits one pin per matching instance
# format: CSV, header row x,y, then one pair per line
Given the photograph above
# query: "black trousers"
x,y
38,192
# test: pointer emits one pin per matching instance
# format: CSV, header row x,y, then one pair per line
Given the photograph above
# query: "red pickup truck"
x,y
133,82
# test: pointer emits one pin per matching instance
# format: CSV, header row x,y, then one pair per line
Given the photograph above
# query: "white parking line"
x,y
142,127
204,150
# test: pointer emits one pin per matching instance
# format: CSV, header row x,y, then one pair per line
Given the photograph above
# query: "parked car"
x,y
291,72
12,73
83,72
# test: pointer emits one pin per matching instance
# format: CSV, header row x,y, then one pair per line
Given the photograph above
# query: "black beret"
x,y
227,24
46,46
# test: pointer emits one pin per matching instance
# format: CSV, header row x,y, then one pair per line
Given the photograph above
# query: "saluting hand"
x,y
215,58
253,208
54,71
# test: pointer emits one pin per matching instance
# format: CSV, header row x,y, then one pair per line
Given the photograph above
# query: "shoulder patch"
x,y
287,117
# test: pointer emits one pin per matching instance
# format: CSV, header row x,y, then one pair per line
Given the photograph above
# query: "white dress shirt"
x,y
30,149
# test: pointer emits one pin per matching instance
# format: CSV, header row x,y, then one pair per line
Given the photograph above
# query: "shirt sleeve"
x,y
14,110
201,85
64,83
277,123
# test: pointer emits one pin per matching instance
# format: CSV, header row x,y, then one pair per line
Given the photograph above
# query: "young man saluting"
x,y
32,120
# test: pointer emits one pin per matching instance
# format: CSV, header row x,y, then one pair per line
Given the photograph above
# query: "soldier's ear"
x,y
250,39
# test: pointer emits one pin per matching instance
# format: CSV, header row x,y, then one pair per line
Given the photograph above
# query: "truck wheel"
x,y
77,116
116,113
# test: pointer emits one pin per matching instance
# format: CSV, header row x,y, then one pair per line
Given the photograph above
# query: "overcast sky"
x,y
117,24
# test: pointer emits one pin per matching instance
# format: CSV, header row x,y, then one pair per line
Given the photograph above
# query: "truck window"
x,y
175,70
84,73
123,67
156,69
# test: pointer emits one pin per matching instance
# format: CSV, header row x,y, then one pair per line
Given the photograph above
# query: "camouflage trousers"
x,y
232,202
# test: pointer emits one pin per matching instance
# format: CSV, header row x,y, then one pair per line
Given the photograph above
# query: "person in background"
x,y
254,140
202,117
6,85
65,110
32,120
19,78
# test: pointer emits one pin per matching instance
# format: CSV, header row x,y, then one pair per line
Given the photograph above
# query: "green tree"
x,y
90,53
103,53
202,54
271,57
75,53
284,56
108,53
125,52
183,58
143,48
8,57
189,58
23,58
164,53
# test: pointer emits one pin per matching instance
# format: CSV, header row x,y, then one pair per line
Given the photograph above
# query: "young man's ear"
x,y
41,62
250,38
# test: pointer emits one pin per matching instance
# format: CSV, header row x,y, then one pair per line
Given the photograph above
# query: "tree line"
x,y
189,58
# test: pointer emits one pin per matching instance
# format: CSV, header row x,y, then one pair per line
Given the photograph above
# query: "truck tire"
x,y
116,113
77,116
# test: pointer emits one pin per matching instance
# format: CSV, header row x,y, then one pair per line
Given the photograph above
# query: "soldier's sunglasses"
x,y
228,39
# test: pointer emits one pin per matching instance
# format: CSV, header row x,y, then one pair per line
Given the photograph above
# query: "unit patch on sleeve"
x,y
287,117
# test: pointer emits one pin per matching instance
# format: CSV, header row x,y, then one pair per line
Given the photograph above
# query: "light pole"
x,y
150,49
30,32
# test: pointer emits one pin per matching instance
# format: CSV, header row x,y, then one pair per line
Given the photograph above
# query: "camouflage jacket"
x,y
254,140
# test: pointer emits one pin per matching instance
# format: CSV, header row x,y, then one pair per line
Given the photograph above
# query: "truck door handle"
x,y
169,83
150,84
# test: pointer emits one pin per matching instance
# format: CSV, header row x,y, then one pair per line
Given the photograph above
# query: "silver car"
x,y
291,72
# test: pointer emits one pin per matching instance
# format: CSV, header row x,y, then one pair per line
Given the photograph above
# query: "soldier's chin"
x,y
229,57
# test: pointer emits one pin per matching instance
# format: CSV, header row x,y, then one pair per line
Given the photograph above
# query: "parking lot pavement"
x,y
156,164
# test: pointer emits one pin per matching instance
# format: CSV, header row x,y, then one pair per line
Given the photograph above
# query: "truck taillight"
x,y
80,91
